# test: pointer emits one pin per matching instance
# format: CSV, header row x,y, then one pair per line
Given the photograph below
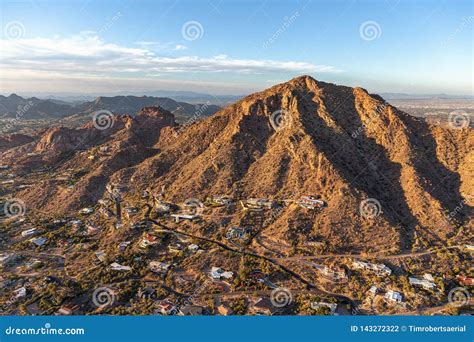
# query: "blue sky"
x,y
235,47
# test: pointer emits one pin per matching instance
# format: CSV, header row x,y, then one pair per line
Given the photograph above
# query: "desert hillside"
x,y
390,181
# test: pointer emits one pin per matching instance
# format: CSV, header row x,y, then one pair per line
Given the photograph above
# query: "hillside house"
x,y
379,269
123,245
236,233
264,306
465,280
424,283
29,232
165,307
218,273
175,247
131,211
86,211
189,217
311,202
40,241
331,306
100,255
192,310
149,240
258,204
158,267
334,275
220,200
147,293
117,267
394,296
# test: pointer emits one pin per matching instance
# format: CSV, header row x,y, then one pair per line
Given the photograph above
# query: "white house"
x,y
310,202
218,273
29,232
86,211
100,255
222,200
426,284
158,266
373,290
19,293
190,217
193,247
394,296
380,269
117,267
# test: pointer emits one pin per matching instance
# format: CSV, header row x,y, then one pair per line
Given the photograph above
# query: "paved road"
x,y
366,256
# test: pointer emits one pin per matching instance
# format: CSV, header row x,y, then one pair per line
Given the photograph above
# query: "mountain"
x,y
12,140
193,97
390,181
33,108
16,106
181,96
132,104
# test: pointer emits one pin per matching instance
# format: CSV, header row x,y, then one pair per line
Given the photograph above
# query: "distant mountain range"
x,y
182,96
34,108
402,96
220,100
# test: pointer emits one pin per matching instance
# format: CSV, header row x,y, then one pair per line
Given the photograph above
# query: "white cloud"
x,y
86,55
180,47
